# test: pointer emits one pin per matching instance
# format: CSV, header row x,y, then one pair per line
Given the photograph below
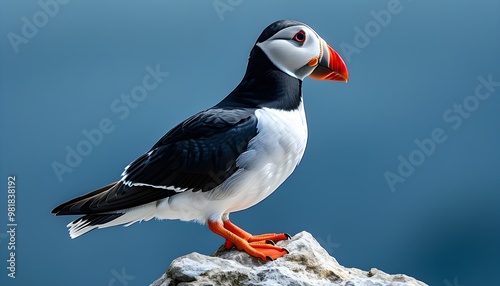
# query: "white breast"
x,y
271,157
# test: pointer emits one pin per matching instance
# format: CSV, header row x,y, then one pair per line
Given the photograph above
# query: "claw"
x,y
287,236
270,242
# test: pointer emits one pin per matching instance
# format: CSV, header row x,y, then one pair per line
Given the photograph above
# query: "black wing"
x,y
198,155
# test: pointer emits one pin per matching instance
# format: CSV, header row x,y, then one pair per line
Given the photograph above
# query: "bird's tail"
x,y
92,218
89,222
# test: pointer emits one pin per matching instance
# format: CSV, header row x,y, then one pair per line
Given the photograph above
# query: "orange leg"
x,y
253,245
254,238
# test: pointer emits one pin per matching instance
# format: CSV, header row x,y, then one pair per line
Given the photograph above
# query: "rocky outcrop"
x,y
306,264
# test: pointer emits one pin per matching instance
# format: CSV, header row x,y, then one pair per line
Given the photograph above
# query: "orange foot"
x,y
260,246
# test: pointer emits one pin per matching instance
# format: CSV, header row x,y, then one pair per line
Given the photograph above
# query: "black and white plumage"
x,y
226,158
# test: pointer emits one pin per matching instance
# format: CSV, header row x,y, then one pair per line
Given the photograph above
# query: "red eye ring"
x,y
300,37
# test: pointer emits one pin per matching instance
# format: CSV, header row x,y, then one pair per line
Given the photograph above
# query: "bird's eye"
x,y
300,37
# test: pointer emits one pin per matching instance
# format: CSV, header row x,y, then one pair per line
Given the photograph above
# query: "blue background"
x,y
441,225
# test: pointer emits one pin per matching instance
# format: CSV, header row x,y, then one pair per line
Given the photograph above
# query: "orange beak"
x,y
330,65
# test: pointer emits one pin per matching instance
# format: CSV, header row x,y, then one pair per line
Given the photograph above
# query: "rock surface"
x,y
306,264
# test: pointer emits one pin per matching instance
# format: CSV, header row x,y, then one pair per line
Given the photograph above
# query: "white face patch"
x,y
290,55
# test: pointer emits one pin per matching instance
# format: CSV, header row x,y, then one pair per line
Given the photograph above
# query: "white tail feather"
x,y
81,226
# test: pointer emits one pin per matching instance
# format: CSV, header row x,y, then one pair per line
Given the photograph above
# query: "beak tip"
x,y
331,66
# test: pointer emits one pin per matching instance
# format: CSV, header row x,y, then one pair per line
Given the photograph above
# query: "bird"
x,y
226,158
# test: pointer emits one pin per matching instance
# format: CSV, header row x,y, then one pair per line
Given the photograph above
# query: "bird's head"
x,y
299,51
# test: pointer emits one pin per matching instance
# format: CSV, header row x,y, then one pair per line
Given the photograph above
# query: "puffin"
x,y
226,158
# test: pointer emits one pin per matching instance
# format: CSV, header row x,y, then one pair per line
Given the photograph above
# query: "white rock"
x,y
306,264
